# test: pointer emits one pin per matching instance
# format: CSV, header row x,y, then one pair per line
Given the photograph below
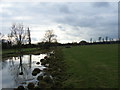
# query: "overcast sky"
x,y
71,22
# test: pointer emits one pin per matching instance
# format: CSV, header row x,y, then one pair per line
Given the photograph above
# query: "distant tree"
x,y
94,41
106,38
99,39
74,43
50,37
110,39
90,40
18,34
29,36
103,39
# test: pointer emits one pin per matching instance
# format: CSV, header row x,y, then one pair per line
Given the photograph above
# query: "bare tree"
x,y
106,38
18,34
29,36
99,39
103,39
90,40
50,37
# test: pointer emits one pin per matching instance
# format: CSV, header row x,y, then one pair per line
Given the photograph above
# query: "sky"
x,y
70,21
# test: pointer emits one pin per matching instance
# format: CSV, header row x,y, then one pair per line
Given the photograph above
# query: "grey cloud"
x,y
101,4
75,15
61,28
65,9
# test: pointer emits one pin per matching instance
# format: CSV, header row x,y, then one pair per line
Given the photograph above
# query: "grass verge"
x,y
15,52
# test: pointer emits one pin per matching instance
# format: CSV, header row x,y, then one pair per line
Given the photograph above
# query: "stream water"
x,y
18,70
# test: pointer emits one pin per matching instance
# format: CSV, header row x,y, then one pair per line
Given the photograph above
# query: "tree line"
x,y
20,37
103,39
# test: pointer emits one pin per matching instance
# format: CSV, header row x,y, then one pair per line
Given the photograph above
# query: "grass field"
x,y
15,52
92,66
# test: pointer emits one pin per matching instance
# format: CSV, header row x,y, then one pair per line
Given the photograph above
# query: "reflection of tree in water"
x,y
3,64
20,71
11,61
30,61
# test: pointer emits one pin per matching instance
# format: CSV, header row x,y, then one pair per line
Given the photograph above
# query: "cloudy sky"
x,y
71,21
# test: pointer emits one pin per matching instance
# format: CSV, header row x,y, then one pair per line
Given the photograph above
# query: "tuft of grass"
x,y
92,66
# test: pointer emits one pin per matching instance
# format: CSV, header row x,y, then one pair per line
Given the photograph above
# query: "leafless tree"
x,y
50,37
99,39
103,39
18,34
29,36
106,38
90,40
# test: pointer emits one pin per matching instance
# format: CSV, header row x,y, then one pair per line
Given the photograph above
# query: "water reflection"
x,y
30,61
18,70
3,64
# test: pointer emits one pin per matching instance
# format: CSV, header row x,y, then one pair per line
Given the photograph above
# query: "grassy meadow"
x,y
92,66
87,66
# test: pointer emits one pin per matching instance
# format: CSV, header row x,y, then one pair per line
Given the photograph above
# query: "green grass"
x,y
92,66
16,52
